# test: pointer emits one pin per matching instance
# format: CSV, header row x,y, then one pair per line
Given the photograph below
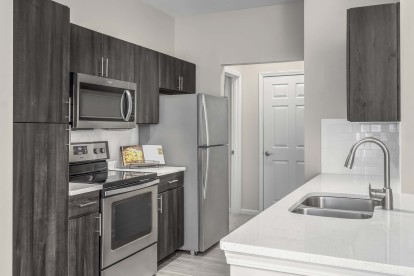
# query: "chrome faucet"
x,y
384,194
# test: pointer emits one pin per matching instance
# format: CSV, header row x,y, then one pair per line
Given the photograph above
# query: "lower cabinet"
x,y
84,245
170,222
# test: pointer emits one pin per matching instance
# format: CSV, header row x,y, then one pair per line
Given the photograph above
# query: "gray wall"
x,y
260,35
130,20
407,95
6,137
250,127
325,70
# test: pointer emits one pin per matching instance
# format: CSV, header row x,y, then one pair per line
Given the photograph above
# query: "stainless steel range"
x,y
128,208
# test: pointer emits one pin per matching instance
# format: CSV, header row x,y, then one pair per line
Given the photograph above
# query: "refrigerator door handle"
x,y
205,178
207,133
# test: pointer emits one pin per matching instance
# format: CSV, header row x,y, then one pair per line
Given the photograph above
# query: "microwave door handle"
x,y
129,97
122,105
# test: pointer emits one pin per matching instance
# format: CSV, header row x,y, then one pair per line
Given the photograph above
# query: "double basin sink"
x,y
336,206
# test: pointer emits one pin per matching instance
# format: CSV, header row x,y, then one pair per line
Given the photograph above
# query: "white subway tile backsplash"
x,y
338,136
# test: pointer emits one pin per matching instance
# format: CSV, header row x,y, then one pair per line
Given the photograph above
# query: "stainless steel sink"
x,y
336,206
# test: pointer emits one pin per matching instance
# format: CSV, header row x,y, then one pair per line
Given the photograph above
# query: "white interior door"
x,y
283,136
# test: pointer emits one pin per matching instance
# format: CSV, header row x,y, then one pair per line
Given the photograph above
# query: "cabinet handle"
x,y
69,134
160,204
107,64
101,73
179,83
69,102
172,181
87,204
182,83
99,218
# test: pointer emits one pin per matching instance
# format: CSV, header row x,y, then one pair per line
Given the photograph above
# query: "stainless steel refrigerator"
x,y
193,131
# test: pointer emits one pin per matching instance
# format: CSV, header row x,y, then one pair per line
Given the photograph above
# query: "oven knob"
x,y
96,151
102,150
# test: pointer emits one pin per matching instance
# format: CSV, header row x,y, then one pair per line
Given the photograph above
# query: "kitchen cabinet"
x,y
40,207
86,54
41,34
94,53
146,78
176,76
83,245
373,62
170,216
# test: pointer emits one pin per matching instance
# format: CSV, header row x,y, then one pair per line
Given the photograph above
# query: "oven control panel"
x,y
88,151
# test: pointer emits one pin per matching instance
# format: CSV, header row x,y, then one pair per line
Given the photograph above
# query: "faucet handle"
x,y
376,193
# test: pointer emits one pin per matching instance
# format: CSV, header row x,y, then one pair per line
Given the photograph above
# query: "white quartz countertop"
x,y
382,244
160,171
80,188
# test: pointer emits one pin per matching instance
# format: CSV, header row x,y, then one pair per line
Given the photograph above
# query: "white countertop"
x,y
160,171
382,244
80,188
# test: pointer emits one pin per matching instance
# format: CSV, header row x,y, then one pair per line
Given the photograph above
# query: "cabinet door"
x,y
373,64
40,193
41,61
146,78
178,217
168,72
85,51
165,245
119,59
84,246
189,77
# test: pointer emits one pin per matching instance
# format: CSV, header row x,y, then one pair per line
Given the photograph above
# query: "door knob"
x,y
268,153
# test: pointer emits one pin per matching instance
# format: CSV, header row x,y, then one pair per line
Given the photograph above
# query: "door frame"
x,y
262,76
236,131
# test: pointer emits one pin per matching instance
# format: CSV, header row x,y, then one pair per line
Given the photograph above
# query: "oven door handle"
x,y
130,189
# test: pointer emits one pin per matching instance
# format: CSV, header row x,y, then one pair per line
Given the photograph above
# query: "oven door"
x,y
103,103
129,221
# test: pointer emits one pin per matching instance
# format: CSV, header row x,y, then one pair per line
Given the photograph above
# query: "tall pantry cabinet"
x,y
41,123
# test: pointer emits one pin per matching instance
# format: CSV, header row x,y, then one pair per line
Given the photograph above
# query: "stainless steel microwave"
x,y
102,103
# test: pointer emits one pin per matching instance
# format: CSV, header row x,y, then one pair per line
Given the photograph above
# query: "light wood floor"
x,y
210,263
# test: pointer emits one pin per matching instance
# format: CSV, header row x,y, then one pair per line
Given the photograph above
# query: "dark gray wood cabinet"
x,y
146,78
86,51
83,245
176,75
170,215
97,54
373,64
41,34
118,59
40,207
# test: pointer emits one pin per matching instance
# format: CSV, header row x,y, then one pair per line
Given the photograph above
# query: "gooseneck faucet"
x,y
384,194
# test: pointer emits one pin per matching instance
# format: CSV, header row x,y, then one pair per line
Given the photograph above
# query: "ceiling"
x,y
181,8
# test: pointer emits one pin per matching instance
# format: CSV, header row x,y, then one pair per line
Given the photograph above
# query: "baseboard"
x,y
249,212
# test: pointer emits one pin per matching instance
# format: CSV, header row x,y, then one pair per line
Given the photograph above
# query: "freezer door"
x,y
213,195
212,120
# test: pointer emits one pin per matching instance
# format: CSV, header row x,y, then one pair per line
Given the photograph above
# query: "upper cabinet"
x,y
373,59
41,61
176,76
97,54
146,78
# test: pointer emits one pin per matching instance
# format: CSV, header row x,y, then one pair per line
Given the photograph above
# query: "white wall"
x,y
260,35
250,126
6,137
407,95
325,70
130,20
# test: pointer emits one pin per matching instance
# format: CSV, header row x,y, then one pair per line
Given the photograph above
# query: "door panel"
x,y
119,58
41,62
283,103
213,194
84,246
213,120
85,51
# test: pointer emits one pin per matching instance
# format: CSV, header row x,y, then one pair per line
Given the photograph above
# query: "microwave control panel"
x,y
88,151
